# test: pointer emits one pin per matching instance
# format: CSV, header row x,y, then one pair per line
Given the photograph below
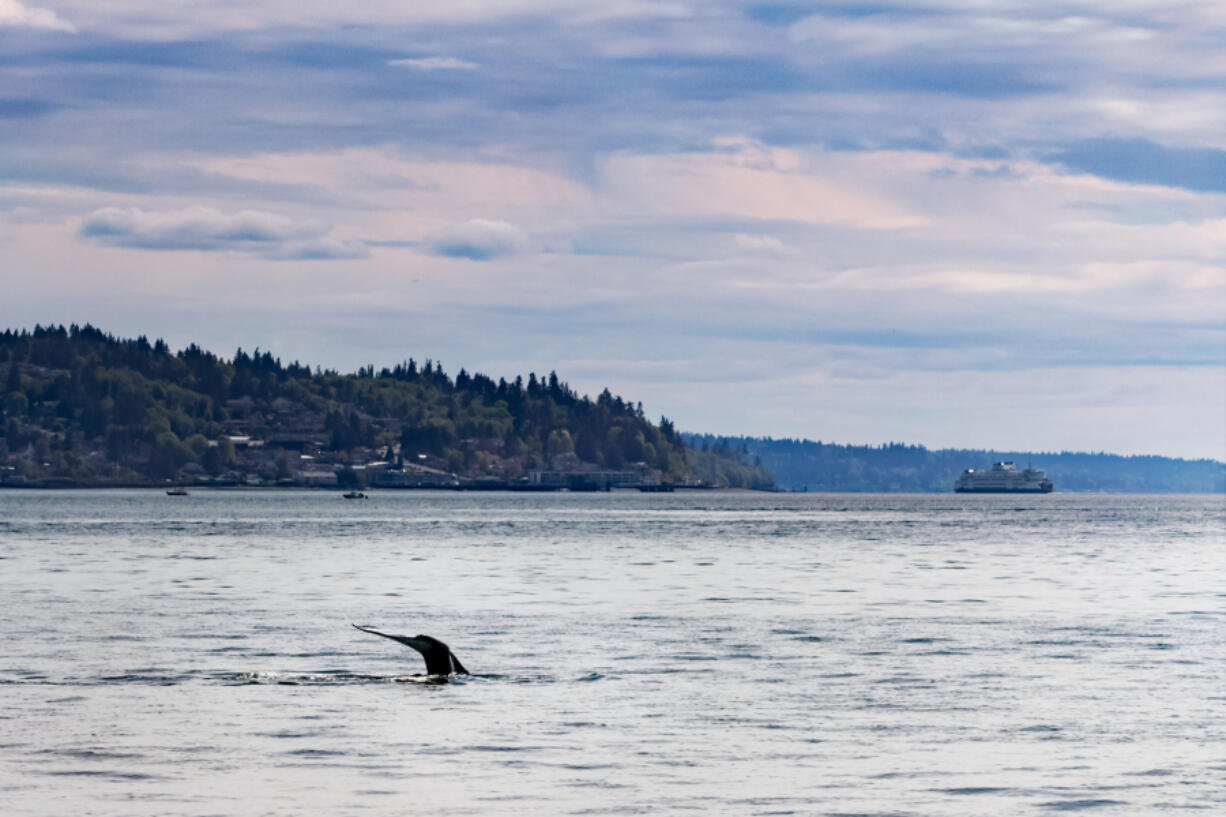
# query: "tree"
x,y
635,447
613,456
198,443
13,435
587,447
668,431
226,449
559,443
17,405
283,469
42,448
168,456
94,392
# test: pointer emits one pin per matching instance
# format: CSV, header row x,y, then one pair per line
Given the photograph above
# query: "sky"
x,y
955,223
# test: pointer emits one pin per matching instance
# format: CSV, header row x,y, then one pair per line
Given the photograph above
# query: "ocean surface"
x,y
704,653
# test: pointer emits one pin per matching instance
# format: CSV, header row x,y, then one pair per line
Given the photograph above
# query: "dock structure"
x,y
584,480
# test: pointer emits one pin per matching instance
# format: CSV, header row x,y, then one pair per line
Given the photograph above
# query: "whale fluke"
x,y
440,660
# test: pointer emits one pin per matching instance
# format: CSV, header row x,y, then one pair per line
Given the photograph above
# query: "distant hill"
x,y
817,466
81,407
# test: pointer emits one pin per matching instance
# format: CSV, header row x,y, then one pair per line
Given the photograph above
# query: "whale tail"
x,y
440,660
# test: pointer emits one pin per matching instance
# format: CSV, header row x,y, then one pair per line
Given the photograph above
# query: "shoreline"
x,y
529,489
553,490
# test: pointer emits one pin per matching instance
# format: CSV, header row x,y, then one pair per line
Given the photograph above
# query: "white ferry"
x,y
1004,478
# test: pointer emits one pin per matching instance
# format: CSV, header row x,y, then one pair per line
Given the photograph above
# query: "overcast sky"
x,y
944,222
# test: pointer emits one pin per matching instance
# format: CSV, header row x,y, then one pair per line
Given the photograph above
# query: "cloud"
x,y
266,235
1009,228
444,191
13,13
435,64
985,50
762,244
477,240
742,179
319,250
139,19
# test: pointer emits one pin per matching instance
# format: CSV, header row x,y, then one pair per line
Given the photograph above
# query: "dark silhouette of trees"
x,y
136,403
895,466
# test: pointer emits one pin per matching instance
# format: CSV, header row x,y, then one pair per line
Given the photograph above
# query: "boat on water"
x,y
355,495
1004,478
176,492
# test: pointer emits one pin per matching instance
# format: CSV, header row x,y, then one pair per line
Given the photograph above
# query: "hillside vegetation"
x,y
83,407
816,466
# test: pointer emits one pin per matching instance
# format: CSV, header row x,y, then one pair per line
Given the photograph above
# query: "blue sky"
x,y
947,222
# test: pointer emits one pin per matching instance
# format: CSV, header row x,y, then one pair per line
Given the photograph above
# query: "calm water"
x,y
730,654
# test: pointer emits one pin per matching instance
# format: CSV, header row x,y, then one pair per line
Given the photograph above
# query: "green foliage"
x,y
149,412
198,443
17,405
726,469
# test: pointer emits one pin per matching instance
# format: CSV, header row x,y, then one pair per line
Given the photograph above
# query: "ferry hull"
x,y
1002,490
1004,478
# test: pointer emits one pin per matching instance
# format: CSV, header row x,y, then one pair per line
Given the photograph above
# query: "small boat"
x,y
355,495
176,492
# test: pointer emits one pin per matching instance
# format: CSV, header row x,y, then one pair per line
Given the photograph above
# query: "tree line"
x,y
78,402
817,466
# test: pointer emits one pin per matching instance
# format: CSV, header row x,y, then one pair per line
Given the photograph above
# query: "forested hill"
x,y
83,407
815,466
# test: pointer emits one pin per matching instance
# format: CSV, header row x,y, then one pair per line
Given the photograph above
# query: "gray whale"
x,y
440,660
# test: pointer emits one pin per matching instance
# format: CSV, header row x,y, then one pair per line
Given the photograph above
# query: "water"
x,y
733,654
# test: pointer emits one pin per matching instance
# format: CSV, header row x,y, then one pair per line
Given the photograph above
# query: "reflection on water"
x,y
723,653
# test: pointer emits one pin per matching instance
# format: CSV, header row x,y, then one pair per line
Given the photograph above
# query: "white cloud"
x,y
630,10
984,29
202,228
434,64
13,13
477,240
157,19
439,192
613,225
743,179
761,244
318,249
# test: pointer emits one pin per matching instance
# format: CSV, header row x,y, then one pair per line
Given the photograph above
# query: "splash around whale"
x,y
440,660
